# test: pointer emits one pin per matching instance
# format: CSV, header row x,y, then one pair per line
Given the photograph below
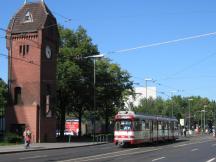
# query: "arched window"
x,y
17,96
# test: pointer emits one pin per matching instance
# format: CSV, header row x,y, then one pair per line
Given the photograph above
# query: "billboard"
x,y
182,122
71,127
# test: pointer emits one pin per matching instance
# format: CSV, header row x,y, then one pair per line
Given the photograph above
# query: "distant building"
x,y
140,93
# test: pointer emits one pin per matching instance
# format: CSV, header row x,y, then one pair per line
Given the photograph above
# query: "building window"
x,y
17,96
20,50
28,17
24,49
27,48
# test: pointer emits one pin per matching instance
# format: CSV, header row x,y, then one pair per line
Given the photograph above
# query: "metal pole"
x,y
189,117
94,99
172,102
94,90
189,122
146,80
172,92
213,114
201,122
39,123
94,81
172,108
146,96
204,119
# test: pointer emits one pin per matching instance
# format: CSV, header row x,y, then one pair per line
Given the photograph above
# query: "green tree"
x,y
73,74
180,106
113,84
75,79
3,95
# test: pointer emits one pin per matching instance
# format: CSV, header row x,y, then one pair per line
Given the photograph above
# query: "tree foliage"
x,y
3,94
75,78
112,86
180,106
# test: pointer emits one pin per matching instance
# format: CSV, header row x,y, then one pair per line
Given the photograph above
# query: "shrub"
x,y
12,138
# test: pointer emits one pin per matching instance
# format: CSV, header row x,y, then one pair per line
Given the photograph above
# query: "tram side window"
x,y
175,125
143,124
147,124
168,125
159,125
137,125
163,125
172,126
155,125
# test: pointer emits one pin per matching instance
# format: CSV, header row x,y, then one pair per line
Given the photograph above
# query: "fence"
x,y
102,138
2,121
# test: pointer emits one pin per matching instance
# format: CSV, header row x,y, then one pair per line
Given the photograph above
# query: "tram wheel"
x,y
122,144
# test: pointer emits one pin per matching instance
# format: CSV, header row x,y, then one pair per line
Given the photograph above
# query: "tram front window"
x,y
123,125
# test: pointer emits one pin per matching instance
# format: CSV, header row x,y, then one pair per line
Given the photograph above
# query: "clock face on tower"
x,y
48,52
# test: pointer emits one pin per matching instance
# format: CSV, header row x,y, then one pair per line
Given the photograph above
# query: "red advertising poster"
x,y
71,127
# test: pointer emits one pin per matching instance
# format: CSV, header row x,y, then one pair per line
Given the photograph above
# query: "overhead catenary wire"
x,y
153,44
163,92
155,81
19,59
203,76
191,66
62,16
162,43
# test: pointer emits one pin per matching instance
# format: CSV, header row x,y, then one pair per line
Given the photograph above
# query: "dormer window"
x,y
28,17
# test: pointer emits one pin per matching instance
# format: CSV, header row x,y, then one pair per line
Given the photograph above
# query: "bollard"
x,y
69,139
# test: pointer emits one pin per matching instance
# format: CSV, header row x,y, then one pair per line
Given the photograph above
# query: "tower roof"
x,y
30,18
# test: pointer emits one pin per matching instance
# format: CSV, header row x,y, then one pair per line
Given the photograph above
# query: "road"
x,y
202,149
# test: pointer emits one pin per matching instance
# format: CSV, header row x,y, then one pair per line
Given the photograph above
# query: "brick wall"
x,y
27,115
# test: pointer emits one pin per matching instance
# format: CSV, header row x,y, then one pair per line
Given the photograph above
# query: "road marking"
x,y
191,143
33,157
194,150
108,155
181,145
211,160
158,159
104,148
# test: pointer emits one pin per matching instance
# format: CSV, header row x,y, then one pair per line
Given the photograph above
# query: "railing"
x,y
102,138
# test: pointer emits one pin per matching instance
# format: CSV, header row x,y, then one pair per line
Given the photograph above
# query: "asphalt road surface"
x,y
199,149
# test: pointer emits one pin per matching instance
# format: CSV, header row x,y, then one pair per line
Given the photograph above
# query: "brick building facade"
x,y
32,43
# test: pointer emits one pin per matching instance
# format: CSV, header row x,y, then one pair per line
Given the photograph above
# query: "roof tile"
x,y
39,13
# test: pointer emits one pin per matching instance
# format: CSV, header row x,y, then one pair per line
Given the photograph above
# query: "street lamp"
x,y
146,80
94,57
190,99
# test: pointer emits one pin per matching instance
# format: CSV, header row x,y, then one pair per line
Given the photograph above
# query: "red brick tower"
x,y
32,43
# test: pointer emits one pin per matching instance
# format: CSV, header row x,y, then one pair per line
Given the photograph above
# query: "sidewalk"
x,y
44,146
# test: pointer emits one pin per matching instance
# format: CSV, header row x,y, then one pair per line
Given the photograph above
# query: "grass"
x,y
6,144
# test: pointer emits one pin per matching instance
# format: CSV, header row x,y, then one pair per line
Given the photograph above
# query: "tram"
x,y
132,128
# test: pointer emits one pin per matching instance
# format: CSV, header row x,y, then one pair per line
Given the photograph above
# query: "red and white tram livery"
x,y
131,128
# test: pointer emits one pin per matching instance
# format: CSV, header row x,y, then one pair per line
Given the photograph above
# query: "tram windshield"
x,y
123,125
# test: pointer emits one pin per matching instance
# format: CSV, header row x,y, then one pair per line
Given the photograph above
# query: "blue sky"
x,y
187,67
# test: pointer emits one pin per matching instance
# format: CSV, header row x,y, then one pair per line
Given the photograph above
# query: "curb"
x,y
53,148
